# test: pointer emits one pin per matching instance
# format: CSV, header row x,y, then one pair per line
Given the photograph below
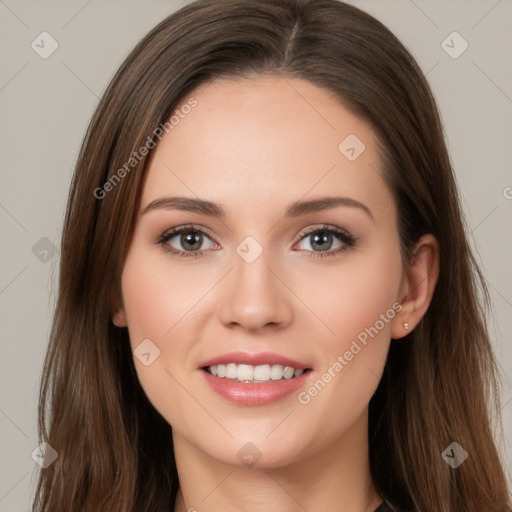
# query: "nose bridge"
x,y
253,296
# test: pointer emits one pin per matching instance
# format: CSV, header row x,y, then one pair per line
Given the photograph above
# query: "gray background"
x,y
46,105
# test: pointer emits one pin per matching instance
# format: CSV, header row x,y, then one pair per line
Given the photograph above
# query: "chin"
x,y
256,453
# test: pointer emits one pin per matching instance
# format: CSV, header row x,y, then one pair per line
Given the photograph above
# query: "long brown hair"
x,y
440,384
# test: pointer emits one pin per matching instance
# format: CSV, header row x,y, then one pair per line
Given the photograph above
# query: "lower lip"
x,y
253,394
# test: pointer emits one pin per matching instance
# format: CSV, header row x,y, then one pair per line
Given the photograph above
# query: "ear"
x,y
418,285
118,311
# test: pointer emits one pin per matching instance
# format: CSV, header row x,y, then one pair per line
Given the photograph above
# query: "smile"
x,y
253,374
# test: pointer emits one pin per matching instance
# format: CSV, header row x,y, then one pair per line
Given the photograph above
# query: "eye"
x,y
191,241
327,241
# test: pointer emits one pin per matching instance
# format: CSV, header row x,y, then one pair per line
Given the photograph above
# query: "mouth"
x,y
250,374
255,379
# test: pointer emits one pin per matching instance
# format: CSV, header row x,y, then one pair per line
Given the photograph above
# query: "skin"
x,y
254,146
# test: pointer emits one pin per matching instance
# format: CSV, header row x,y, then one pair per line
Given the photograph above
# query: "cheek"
x,y
351,297
157,297
366,295
357,306
159,302
359,309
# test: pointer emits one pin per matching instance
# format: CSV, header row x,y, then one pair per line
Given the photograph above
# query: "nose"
x,y
254,296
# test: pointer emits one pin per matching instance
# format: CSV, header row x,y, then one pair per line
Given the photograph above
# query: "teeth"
x,y
276,372
288,372
262,372
248,373
245,372
231,371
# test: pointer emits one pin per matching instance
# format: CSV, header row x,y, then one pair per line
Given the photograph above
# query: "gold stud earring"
x,y
406,325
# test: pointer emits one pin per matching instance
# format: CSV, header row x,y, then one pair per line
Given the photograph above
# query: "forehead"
x,y
249,141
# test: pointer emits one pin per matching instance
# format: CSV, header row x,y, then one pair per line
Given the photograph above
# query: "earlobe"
x,y
118,312
119,318
420,282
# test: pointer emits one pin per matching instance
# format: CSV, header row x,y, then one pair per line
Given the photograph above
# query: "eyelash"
x,y
347,239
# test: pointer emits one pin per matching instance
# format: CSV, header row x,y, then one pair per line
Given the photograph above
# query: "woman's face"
x,y
289,272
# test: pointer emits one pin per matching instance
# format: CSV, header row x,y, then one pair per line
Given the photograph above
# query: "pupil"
x,y
322,238
189,239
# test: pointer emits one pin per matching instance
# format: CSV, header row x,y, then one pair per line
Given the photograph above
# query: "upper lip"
x,y
254,360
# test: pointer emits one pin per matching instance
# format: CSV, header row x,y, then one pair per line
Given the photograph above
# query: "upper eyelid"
x,y
176,230
325,227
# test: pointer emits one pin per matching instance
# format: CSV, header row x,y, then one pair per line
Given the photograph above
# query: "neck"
x,y
337,477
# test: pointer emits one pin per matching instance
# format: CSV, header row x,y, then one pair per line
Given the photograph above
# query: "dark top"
x,y
384,507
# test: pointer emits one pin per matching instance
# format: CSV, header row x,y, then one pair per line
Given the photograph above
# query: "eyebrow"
x,y
296,209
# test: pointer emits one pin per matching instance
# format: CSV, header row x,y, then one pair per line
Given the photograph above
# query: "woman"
x,y
267,300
